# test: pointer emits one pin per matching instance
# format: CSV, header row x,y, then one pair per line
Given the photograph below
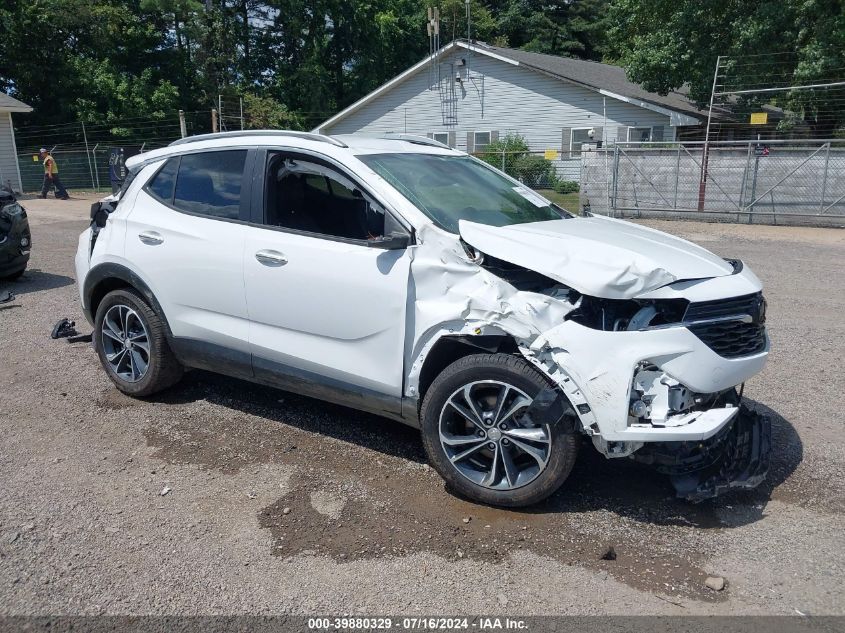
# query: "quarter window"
x,y
209,183
161,186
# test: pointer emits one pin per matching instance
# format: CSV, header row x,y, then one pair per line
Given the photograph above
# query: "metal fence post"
x,y
677,177
87,154
615,180
824,177
503,159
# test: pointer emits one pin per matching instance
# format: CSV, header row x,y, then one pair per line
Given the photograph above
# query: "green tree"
x,y
668,44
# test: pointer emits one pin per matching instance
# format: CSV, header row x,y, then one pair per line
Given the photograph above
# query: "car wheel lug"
x,y
491,445
505,441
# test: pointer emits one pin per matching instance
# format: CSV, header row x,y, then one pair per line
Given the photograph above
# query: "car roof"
x,y
337,146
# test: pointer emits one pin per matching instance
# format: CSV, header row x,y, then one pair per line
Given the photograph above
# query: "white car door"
x,y
185,238
326,304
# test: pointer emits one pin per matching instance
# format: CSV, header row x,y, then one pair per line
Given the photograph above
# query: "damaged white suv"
x,y
402,277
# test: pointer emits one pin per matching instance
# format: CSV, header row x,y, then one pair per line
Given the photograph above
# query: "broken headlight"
x,y
617,315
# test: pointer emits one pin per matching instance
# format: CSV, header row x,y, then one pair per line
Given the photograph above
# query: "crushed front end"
x,y
656,379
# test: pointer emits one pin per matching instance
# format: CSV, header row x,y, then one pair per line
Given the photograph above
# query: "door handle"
x,y
150,237
271,258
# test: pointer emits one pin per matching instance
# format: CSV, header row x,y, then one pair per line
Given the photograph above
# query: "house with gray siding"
x,y
10,174
470,94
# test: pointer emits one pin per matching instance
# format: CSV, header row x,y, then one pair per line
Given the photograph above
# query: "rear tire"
x,y
132,345
488,451
15,275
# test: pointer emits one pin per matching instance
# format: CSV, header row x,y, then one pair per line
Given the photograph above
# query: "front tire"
x,y
132,345
478,439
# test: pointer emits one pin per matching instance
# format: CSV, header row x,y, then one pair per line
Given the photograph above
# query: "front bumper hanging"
x,y
736,457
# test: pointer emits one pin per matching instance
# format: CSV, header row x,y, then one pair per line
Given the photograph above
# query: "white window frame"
x,y
573,151
434,136
650,129
489,134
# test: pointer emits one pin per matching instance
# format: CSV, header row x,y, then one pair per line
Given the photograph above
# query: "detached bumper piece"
x,y
736,457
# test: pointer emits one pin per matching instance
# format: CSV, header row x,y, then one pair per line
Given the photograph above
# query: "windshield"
x,y
452,188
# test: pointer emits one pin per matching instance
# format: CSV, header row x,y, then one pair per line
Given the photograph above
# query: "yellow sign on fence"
x,y
759,118
550,154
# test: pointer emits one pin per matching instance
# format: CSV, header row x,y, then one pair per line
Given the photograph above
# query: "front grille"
x,y
730,339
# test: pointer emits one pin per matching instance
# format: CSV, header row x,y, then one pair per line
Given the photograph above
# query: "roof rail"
x,y
419,140
304,135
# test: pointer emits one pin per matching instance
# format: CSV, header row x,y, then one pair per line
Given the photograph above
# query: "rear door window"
x,y
209,183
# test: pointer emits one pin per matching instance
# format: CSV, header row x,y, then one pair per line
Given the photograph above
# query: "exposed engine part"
x,y
736,457
523,278
623,314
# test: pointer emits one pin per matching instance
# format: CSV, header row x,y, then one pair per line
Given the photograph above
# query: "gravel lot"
x,y
281,504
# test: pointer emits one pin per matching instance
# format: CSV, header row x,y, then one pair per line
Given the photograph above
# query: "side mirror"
x,y
392,242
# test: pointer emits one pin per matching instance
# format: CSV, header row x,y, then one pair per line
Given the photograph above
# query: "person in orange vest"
x,y
51,176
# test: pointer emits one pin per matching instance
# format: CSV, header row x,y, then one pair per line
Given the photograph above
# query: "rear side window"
x,y
161,186
210,183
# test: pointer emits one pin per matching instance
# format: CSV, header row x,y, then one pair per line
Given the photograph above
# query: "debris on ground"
x,y
6,296
716,583
286,511
164,491
609,554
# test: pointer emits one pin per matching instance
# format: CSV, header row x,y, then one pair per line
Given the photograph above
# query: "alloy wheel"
x,y
126,343
488,439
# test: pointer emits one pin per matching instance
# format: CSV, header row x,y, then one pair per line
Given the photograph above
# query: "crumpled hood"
x,y
597,256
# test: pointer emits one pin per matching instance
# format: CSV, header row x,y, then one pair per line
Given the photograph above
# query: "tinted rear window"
x,y
161,186
210,183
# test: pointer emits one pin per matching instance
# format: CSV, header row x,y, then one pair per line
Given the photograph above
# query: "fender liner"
x,y
109,271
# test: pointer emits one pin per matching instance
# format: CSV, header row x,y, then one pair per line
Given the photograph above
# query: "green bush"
x,y
534,171
566,186
504,152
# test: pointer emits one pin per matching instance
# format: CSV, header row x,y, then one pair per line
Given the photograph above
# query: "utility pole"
x,y
183,129
705,152
214,120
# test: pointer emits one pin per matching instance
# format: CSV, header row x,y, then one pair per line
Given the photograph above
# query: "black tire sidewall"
x,y
520,374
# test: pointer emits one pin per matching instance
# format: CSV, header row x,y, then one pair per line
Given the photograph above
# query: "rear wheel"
x,y
14,275
130,340
479,439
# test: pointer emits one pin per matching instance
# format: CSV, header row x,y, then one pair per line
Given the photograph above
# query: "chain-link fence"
x,y
552,174
774,181
89,155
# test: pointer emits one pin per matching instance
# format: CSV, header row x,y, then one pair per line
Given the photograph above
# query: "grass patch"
x,y
568,201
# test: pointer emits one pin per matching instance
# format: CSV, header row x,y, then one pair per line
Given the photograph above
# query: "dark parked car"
x,y
15,238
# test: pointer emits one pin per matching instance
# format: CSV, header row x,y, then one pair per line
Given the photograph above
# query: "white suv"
x,y
405,278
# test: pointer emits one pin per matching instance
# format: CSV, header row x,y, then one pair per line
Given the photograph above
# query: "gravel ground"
x,y
224,497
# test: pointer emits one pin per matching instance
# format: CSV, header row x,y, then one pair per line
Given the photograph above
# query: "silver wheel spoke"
x,y
492,475
536,453
466,453
469,415
116,357
500,403
472,405
530,435
511,469
461,440
112,334
520,403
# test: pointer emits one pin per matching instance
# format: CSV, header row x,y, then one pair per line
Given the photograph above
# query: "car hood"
x,y
597,256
